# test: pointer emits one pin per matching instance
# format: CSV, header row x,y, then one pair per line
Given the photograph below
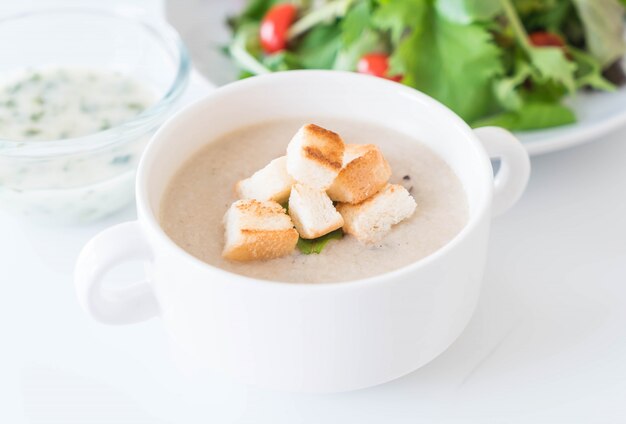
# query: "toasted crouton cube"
x,y
313,212
315,156
364,173
370,220
258,230
270,183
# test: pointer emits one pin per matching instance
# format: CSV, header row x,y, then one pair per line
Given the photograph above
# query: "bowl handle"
x,y
512,177
113,246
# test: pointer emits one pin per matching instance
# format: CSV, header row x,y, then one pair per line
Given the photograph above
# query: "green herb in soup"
x,y
317,245
60,103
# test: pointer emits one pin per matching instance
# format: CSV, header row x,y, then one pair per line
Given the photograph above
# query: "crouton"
x,y
315,156
364,173
313,212
371,219
258,230
270,183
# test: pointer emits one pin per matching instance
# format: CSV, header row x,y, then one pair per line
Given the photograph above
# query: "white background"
x,y
547,343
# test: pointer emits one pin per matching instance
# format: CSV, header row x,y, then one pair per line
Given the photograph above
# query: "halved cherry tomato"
x,y
275,25
546,39
376,64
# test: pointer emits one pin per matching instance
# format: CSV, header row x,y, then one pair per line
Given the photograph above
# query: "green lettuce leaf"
x,y
531,116
454,63
468,11
396,16
356,21
552,65
256,9
281,61
349,54
316,246
358,37
319,47
245,48
603,22
527,7
253,12
545,15
589,73
507,89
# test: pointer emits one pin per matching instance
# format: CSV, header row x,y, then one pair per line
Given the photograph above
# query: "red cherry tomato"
x,y
376,64
275,25
546,39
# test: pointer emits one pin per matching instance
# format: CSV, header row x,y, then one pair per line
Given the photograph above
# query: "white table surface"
x,y
547,343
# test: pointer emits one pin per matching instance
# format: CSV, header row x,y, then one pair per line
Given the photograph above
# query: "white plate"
x,y
204,30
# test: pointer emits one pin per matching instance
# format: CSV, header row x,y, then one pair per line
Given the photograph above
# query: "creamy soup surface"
x,y
202,190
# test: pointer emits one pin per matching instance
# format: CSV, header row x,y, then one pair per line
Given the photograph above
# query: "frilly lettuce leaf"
x,y
552,65
468,11
507,89
397,16
454,63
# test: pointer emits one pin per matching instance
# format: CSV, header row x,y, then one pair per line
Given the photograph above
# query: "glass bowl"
x,y
82,179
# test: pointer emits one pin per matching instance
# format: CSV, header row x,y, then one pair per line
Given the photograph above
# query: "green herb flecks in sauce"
x,y
59,103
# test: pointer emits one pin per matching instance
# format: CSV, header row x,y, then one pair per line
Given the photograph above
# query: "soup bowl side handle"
x,y
134,303
512,177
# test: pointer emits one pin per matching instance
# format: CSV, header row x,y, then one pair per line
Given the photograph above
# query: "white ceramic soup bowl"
x,y
307,337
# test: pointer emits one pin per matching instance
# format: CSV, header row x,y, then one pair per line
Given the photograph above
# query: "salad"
x,y
509,63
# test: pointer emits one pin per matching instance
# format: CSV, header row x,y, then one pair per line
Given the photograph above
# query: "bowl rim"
x,y
149,220
160,30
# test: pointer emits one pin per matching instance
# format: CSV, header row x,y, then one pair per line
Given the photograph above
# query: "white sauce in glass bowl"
x,y
38,106
63,102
